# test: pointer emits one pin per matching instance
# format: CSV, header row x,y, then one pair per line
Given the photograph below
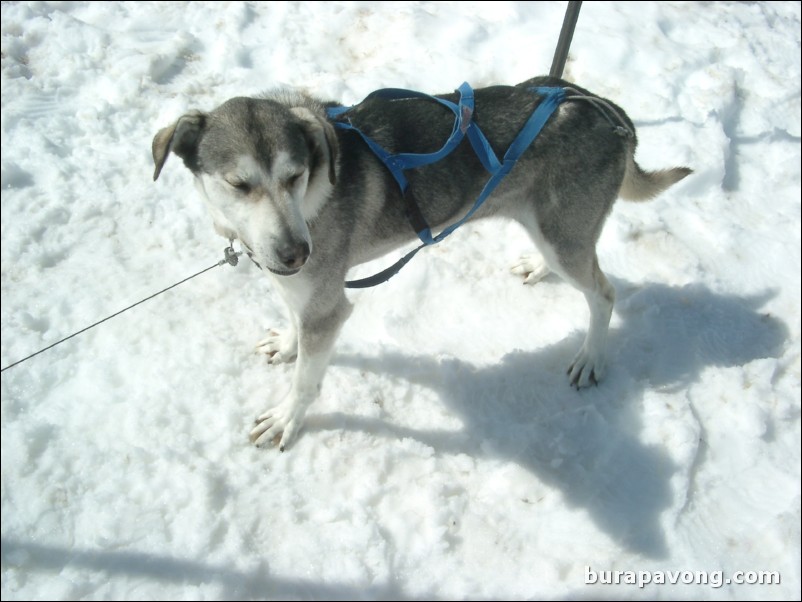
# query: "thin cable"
x,y
219,263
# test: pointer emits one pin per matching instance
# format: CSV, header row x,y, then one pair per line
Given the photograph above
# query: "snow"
x,y
447,457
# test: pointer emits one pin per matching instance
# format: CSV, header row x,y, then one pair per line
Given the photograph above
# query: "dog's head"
x,y
264,168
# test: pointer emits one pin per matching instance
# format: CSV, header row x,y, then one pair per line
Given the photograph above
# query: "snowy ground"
x,y
447,456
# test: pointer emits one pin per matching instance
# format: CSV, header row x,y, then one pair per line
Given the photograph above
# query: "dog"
x,y
308,201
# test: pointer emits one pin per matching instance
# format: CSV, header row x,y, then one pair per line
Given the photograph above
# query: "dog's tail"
x,y
639,185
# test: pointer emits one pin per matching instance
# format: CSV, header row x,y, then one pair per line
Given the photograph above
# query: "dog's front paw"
x,y
532,267
279,346
278,425
585,370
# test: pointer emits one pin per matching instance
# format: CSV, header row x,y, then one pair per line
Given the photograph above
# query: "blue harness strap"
x,y
463,124
552,98
399,163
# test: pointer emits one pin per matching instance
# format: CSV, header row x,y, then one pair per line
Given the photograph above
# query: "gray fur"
x,y
309,202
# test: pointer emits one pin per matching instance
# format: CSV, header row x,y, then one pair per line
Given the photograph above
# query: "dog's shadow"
x,y
586,443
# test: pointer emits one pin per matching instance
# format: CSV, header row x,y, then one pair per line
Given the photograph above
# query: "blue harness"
x,y
463,124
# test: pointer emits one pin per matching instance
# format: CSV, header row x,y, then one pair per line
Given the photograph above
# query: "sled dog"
x,y
307,201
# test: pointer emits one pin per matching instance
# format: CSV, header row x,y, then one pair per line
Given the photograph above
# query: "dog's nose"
x,y
294,256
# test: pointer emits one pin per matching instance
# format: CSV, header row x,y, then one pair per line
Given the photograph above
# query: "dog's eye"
x,y
243,187
294,179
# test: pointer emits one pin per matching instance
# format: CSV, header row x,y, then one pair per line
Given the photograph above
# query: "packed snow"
x,y
447,456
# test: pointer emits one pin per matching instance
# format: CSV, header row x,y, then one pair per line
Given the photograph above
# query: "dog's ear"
x,y
182,138
322,139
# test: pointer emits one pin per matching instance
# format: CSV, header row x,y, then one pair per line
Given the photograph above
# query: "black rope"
x,y
564,42
230,258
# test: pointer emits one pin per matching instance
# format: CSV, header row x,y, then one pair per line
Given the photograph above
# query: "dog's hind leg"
x,y
580,268
317,331
589,364
574,260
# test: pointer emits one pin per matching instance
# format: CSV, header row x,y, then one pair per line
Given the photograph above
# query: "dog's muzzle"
x,y
291,259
